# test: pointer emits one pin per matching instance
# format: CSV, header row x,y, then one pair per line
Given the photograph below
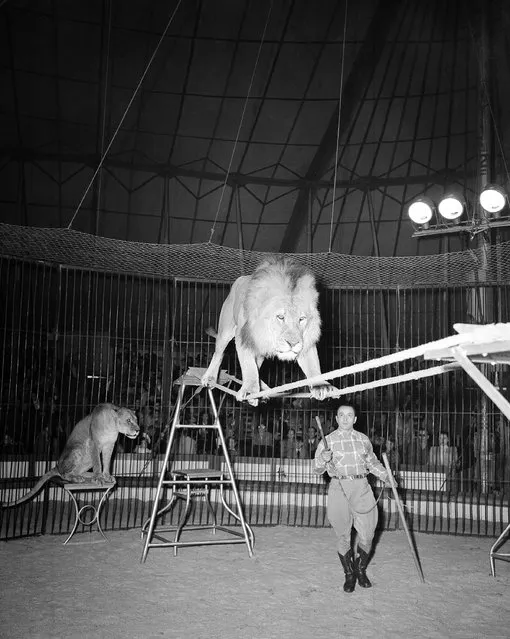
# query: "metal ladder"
x,y
186,483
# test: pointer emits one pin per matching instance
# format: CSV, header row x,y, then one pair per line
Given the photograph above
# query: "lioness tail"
x,y
32,493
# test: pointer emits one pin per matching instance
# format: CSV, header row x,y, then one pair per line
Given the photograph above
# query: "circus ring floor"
x,y
291,588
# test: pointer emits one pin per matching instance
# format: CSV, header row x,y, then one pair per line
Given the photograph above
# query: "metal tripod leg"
x,y
154,514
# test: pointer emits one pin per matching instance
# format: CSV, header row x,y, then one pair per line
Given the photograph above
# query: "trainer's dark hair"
x,y
349,405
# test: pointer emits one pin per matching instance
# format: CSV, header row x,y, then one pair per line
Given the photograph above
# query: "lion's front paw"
x,y
76,479
246,390
103,478
323,391
208,380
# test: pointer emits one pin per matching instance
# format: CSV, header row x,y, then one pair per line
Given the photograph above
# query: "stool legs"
x,y
78,511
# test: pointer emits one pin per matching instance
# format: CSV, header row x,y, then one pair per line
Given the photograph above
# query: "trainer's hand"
x,y
388,482
327,456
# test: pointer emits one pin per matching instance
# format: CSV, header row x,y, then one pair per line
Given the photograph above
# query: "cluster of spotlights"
x,y
493,199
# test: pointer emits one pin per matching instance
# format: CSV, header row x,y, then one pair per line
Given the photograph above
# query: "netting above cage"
x,y
490,265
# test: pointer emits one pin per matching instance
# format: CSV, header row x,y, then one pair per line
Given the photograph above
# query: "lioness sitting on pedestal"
x,y
271,313
91,441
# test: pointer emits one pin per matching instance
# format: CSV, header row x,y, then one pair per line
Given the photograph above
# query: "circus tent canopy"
x,y
287,126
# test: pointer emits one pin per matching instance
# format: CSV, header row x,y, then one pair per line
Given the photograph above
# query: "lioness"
x,y
92,438
271,313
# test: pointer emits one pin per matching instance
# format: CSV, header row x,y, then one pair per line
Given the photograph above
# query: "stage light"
x,y
450,207
420,211
493,198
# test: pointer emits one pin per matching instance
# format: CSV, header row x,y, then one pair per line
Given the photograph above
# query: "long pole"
x,y
319,426
403,518
481,305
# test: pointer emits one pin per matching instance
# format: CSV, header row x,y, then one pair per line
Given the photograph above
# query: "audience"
x,y
392,453
443,458
417,453
311,442
289,445
46,411
186,445
262,442
205,437
143,445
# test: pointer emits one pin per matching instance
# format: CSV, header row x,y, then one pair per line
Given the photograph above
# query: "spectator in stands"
x,y
392,453
262,442
143,445
230,440
10,446
329,426
417,453
137,408
379,443
206,443
142,401
311,442
443,458
282,425
155,429
231,433
289,445
276,432
403,432
300,448
186,445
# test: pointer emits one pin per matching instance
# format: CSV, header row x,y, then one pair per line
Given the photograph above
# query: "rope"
x,y
103,157
105,101
338,129
236,141
359,512
479,335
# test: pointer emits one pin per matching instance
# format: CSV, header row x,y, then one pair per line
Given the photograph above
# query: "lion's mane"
x,y
280,284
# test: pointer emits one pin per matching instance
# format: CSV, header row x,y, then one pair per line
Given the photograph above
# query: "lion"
x,y
91,439
271,313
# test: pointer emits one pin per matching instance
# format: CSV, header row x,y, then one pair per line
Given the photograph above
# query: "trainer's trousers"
x,y
351,503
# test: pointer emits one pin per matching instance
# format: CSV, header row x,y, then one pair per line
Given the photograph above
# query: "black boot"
x,y
360,566
349,569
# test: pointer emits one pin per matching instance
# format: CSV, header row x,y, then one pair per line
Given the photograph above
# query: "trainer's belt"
x,y
351,477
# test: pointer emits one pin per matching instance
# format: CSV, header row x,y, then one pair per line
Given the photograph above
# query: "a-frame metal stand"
x,y
186,483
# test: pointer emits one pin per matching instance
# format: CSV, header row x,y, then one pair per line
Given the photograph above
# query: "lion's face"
x,y
127,423
282,319
284,327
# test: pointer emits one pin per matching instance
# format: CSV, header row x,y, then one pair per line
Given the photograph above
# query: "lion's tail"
x,y
32,493
211,332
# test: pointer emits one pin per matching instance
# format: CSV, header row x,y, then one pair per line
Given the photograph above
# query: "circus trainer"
x,y
348,458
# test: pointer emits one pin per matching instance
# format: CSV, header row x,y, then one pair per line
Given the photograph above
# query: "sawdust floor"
x,y
291,588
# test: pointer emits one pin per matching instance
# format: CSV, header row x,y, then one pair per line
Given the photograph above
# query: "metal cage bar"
x,y
72,338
